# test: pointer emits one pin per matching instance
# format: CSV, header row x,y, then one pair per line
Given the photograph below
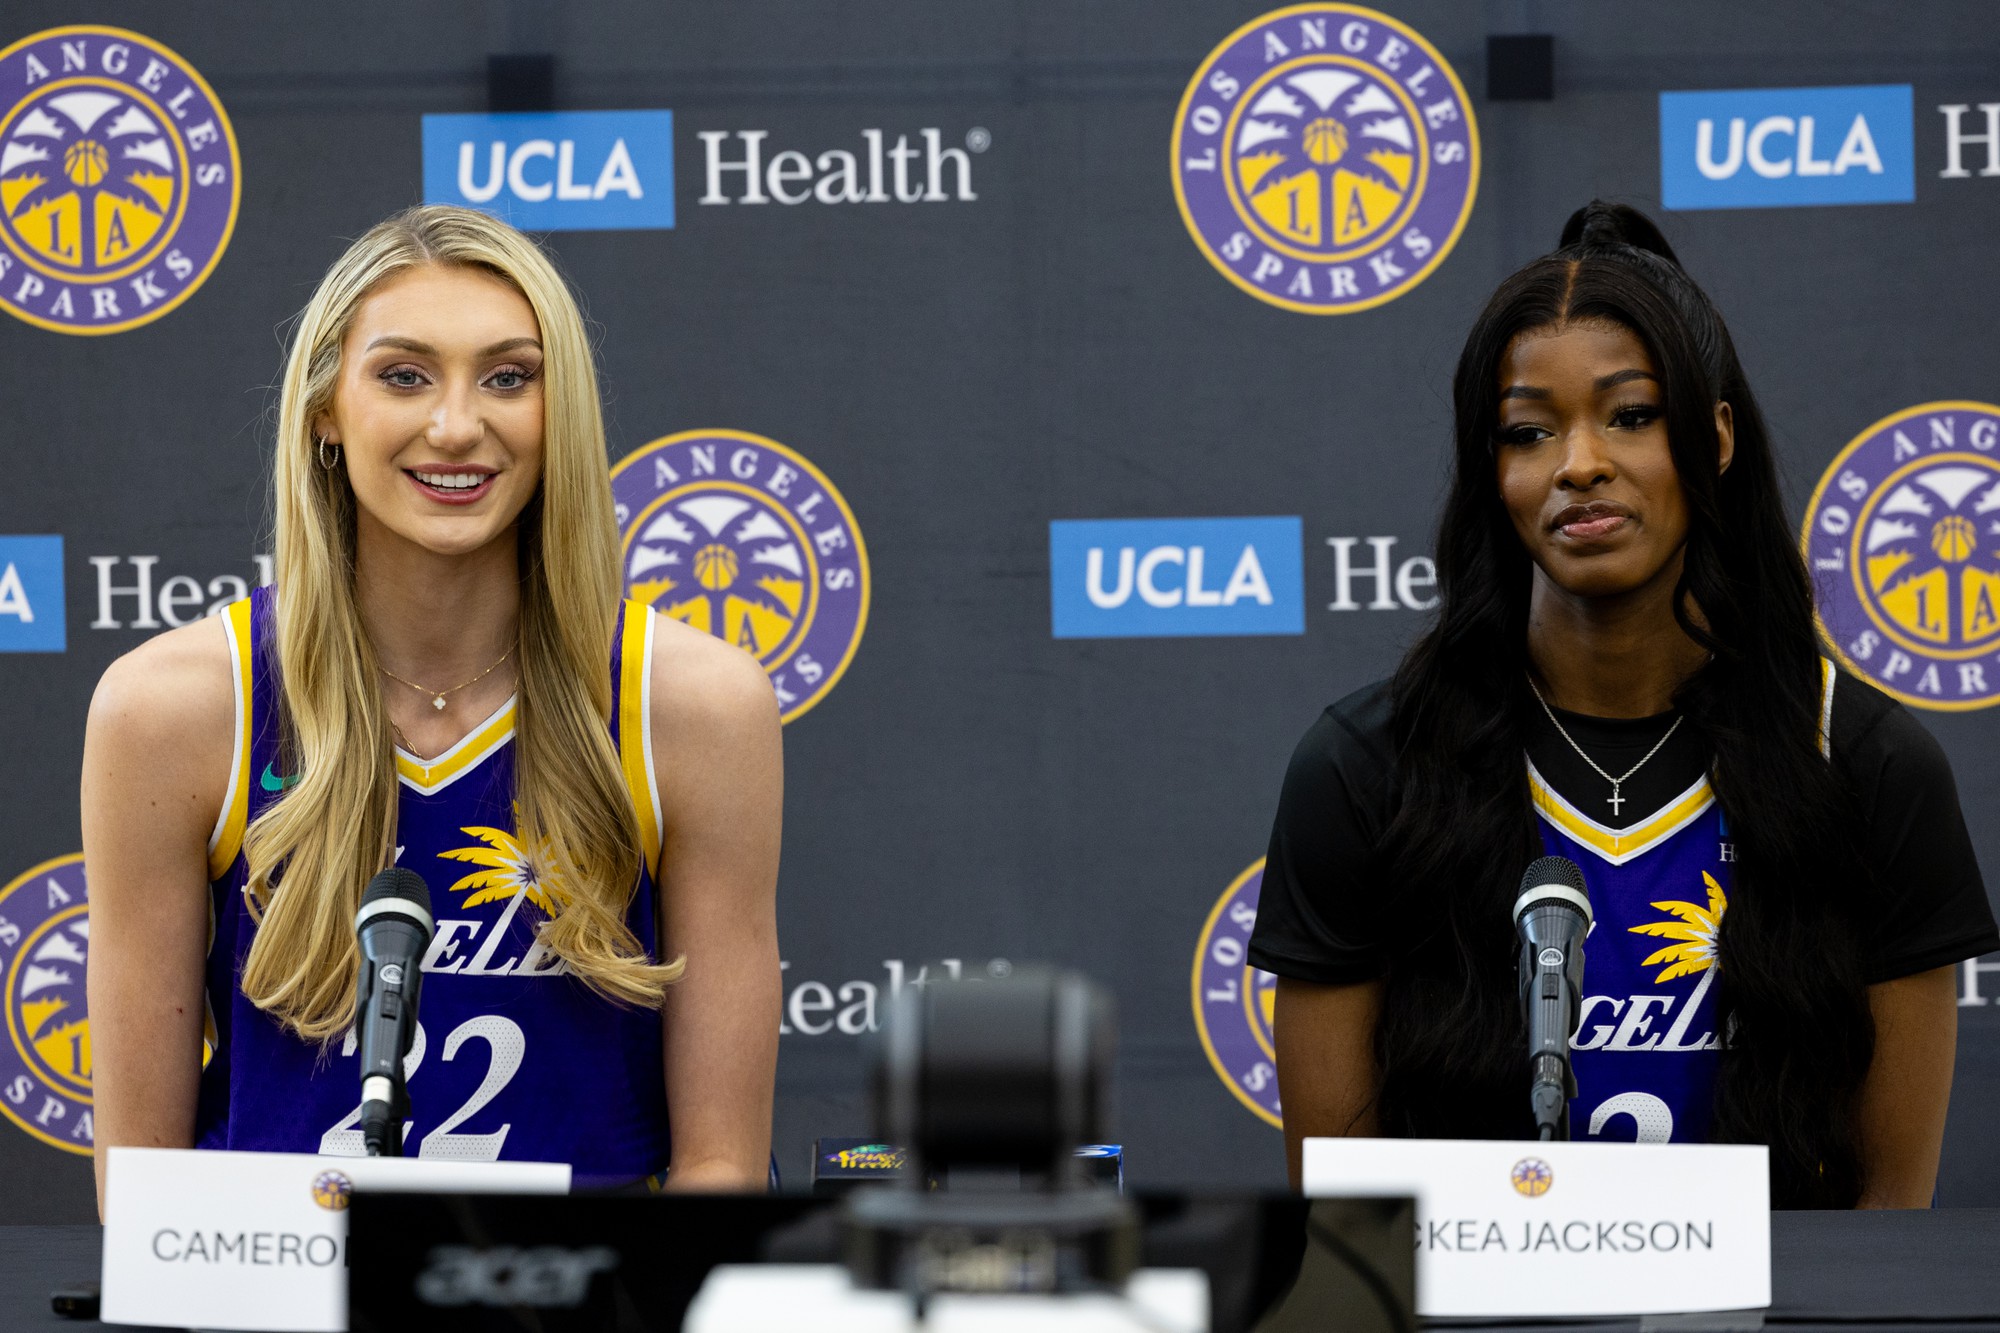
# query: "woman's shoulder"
x,y
700,680
718,747
1870,731
1354,731
161,735
1347,754
177,686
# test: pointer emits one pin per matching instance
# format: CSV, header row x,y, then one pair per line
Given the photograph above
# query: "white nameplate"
x,y
258,1240
1546,1229
787,1298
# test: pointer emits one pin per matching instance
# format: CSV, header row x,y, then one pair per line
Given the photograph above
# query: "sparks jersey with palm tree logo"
x,y
1646,1044
514,1058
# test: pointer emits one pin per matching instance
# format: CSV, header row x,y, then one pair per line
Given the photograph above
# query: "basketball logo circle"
x,y
1532,1177
745,539
332,1190
1902,539
44,947
119,179
1325,158
1233,1001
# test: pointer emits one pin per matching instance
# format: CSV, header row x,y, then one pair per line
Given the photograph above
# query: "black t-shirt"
x,y
1313,918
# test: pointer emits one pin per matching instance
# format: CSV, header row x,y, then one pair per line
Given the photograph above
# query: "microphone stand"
x,y
383,1110
1554,1081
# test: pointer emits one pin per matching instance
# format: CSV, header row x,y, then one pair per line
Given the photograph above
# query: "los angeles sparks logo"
x,y
1903,540
1325,158
739,536
119,179
1233,1001
44,944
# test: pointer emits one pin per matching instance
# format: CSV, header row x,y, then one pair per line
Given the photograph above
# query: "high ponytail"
x,y
1598,225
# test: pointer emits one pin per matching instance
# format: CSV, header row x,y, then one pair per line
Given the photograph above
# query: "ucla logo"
x,y
1903,541
1233,1001
1532,1177
44,945
1786,147
1139,577
555,170
118,179
32,615
1325,158
739,536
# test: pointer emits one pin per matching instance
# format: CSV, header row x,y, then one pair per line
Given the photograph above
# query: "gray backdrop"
x,y
966,372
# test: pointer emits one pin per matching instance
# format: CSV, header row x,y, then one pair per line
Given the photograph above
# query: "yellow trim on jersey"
x,y
635,730
1620,847
429,776
1615,846
227,839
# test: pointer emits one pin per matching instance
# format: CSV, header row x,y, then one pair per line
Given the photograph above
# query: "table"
x,y
1850,1272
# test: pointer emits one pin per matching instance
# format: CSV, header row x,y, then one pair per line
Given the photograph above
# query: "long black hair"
x,y
1798,1038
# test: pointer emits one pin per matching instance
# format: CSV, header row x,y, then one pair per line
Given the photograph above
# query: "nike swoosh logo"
x,y
272,782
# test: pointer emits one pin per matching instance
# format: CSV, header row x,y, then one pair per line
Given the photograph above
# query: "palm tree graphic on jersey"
x,y
1922,557
1325,157
510,871
87,179
1695,932
725,564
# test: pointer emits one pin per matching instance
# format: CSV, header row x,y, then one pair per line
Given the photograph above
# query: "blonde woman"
x,y
445,678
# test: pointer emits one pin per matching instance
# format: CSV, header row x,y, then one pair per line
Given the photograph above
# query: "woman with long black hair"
x,y
1625,671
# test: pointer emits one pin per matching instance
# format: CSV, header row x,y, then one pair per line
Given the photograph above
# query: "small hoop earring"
x,y
328,463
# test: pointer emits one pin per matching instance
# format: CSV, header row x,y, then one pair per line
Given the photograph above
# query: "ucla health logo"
x,y
1233,1001
118,179
555,170
1325,158
1780,147
741,537
1114,578
1903,539
44,944
31,595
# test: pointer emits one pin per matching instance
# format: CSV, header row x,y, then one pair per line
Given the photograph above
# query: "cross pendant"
x,y
1615,799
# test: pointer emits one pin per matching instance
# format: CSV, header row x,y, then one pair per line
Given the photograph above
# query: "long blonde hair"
x,y
313,850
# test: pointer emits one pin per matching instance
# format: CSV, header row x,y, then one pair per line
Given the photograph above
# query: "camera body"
x,y
993,1085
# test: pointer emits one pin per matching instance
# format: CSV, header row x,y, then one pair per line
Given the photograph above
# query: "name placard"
x,y
787,1298
1548,1229
254,1240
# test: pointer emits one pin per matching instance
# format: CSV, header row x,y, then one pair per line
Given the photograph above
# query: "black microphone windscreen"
x,y
398,882
1554,870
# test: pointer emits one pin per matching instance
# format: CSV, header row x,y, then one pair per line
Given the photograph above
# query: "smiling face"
x,y
438,409
1583,462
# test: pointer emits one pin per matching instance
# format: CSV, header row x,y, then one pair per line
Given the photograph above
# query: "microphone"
x,y
395,928
1551,916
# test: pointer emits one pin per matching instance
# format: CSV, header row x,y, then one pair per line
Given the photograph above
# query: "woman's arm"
x,y
1327,1080
719,757
156,756
1908,1088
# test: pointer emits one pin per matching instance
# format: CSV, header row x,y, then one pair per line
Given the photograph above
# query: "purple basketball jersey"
x,y
1647,1042
514,1058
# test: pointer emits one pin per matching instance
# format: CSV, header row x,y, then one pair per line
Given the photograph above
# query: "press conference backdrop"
x,y
1053,396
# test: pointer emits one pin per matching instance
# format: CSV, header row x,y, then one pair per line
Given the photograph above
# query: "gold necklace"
x,y
438,696
404,741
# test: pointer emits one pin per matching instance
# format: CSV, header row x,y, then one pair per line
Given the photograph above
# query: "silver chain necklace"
x,y
1615,799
